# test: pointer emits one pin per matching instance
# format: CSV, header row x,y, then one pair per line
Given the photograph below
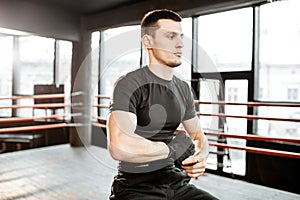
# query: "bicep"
x,y
127,146
119,123
120,131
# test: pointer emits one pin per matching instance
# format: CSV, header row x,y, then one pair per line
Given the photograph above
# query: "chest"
x,y
160,106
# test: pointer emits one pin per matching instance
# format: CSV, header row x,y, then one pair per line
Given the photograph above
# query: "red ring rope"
x,y
32,128
259,150
20,119
99,125
40,96
250,117
101,106
250,104
254,137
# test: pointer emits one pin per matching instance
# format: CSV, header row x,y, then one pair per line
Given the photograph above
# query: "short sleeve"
x,y
190,111
124,96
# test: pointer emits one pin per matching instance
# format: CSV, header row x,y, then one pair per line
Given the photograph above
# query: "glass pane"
x,y
35,66
64,70
120,54
225,41
64,63
236,91
95,70
279,60
279,67
281,129
210,92
6,57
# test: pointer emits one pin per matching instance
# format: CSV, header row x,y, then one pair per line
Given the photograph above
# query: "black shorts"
x,y
169,183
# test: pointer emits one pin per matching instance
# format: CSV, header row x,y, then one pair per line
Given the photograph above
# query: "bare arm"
x,y
193,127
125,145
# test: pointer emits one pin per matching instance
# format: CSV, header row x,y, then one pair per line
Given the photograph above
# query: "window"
x,y
29,60
210,92
232,94
292,94
6,57
63,70
225,41
236,91
279,61
95,70
120,54
279,65
34,66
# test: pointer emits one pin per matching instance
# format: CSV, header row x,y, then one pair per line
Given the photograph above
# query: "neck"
x,y
162,71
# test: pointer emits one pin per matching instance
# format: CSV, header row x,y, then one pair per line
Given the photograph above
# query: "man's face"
x,y
167,44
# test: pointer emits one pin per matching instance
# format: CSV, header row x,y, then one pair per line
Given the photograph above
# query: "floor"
x,y
79,173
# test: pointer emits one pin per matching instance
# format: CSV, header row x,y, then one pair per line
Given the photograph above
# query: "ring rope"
x,y
248,149
254,137
102,96
101,106
99,125
38,127
20,119
32,128
249,117
40,96
250,104
52,105
222,103
247,137
259,150
101,119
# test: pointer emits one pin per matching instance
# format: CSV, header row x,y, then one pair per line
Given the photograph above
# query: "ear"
x,y
147,41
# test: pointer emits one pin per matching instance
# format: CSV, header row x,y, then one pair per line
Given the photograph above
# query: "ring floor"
x,y
63,172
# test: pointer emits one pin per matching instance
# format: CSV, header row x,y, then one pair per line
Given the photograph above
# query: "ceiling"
x,y
66,19
84,7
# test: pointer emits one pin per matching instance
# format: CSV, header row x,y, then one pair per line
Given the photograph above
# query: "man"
x,y
147,106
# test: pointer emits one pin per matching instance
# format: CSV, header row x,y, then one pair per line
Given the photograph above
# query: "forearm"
x,y
201,146
194,129
125,145
137,149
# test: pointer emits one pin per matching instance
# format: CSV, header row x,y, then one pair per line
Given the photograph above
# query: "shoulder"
x,y
132,80
133,75
181,83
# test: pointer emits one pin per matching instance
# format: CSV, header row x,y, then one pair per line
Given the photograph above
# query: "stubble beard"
x,y
174,64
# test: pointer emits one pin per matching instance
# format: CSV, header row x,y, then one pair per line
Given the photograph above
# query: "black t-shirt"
x,y
160,105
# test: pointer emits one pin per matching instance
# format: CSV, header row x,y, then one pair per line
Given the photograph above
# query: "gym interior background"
x,y
60,58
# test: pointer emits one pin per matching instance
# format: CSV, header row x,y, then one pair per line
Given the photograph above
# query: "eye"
x,y
171,36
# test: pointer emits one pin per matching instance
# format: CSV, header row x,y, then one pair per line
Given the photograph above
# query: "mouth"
x,y
178,53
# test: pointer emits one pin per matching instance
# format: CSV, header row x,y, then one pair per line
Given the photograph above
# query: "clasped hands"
x,y
182,151
194,165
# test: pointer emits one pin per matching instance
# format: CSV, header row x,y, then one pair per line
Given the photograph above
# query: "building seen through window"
x,y
279,66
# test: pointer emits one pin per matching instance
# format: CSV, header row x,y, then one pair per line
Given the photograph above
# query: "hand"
x,y
194,166
181,147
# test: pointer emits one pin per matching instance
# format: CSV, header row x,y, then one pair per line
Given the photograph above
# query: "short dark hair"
x,y
149,21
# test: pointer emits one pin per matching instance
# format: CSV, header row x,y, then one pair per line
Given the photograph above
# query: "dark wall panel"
x,y
274,171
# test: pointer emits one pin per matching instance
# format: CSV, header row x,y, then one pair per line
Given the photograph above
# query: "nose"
x,y
179,43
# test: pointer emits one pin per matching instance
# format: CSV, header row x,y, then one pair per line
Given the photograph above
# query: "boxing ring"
x,y
18,129
61,121
262,154
102,121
